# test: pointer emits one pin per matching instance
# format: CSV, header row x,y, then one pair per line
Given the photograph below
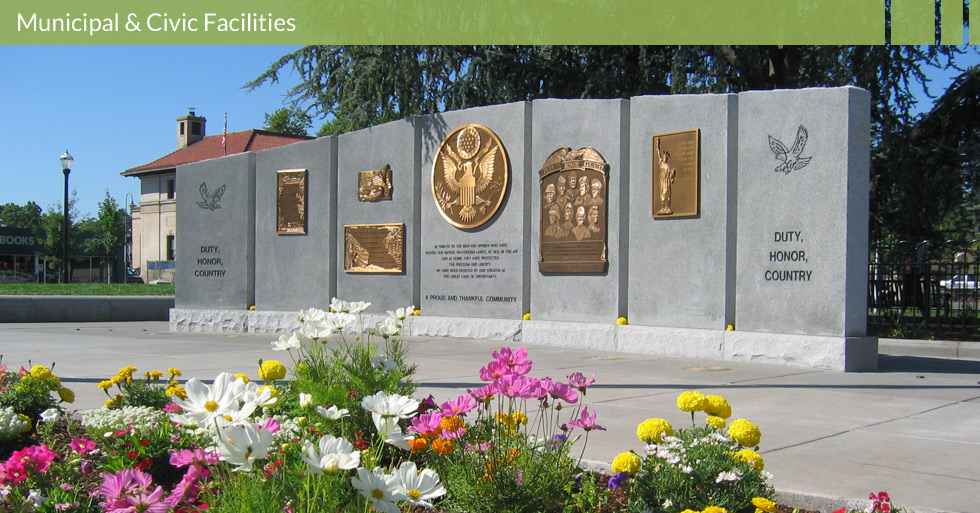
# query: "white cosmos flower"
x,y
382,362
312,314
252,392
305,399
338,305
390,406
402,313
330,455
419,486
380,488
219,402
315,330
332,413
242,445
392,432
50,415
287,342
388,327
339,321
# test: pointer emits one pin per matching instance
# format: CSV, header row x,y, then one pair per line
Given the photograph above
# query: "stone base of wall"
x,y
850,354
84,308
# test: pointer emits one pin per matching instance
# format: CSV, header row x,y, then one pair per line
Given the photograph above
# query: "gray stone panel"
x,y
216,231
370,149
604,126
682,270
803,230
296,271
505,235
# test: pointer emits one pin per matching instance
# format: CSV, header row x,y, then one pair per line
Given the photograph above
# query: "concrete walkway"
x,y
912,429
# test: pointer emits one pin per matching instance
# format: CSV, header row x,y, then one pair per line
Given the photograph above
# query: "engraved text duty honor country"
x,y
676,173
469,176
291,201
573,212
374,248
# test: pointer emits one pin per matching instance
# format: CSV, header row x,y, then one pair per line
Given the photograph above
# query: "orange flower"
x,y
451,423
418,444
442,446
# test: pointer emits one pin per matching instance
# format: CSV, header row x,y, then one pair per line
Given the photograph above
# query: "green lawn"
x,y
85,289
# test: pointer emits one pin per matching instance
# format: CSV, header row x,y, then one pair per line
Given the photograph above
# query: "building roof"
x,y
210,148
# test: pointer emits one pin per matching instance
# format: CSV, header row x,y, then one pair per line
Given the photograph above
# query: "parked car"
x,y
133,277
959,282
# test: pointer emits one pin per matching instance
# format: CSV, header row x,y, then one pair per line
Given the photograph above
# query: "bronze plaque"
x,y
469,176
374,185
676,174
573,212
374,248
291,201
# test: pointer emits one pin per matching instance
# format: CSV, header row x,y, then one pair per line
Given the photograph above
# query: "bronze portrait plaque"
x,y
291,201
374,248
574,203
676,174
469,176
374,185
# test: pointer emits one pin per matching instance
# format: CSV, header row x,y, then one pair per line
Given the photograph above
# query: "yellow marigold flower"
x,y
505,419
155,374
527,316
41,372
716,422
451,423
622,321
417,312
654,430
251,307
242,375
274,398
105,385
271,370
718,406
751,457
626,462
176,391
109,402
127,371
442,446
174,372
730,327
66,395
744,433
692,401
115,380
763,504
689,510
519,417
714,509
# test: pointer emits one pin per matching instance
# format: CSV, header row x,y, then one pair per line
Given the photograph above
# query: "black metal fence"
x,y
924,289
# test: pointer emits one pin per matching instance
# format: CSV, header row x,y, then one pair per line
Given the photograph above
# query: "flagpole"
x,y
224,136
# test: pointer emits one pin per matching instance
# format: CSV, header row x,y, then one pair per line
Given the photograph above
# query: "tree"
x,y
109,231
22,216
359,86
292,121
53,224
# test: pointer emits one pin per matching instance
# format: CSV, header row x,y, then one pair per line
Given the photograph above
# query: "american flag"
x,y
224,136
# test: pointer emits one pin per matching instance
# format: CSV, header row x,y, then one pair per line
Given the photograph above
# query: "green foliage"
x,y
588,497
30,391
685,474
23,216
286,120
85,289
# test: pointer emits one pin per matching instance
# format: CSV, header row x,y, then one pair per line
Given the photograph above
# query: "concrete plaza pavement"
x,y
829,438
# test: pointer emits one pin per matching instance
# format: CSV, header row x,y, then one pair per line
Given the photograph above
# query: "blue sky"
x,y
115,107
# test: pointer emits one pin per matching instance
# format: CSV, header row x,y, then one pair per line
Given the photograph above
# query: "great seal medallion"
x,y
469,176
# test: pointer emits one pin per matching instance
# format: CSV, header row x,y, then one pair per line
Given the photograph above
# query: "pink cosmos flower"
x,y
513,385
458,406
270,424
537,389
586,421
516,360
494,371
427,422
82,445
196,457
173,408
578,381
124,482
564,392
483,394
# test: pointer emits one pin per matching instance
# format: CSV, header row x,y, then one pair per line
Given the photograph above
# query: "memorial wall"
x,y
722,226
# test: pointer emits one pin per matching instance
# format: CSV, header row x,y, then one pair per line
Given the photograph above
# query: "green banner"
x,y
248,22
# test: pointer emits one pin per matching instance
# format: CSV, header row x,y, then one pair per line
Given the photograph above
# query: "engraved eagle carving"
x,y
469,173
790,158
210,200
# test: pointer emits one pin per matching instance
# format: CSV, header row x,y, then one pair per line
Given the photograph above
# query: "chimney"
x,y
190,129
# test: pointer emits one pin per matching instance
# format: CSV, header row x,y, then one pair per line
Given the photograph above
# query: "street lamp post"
x,y
66,161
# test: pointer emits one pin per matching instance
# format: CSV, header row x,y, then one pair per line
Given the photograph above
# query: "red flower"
x,y
132,454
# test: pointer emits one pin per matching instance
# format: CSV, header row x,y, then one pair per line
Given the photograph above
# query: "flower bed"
x,y
336,428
